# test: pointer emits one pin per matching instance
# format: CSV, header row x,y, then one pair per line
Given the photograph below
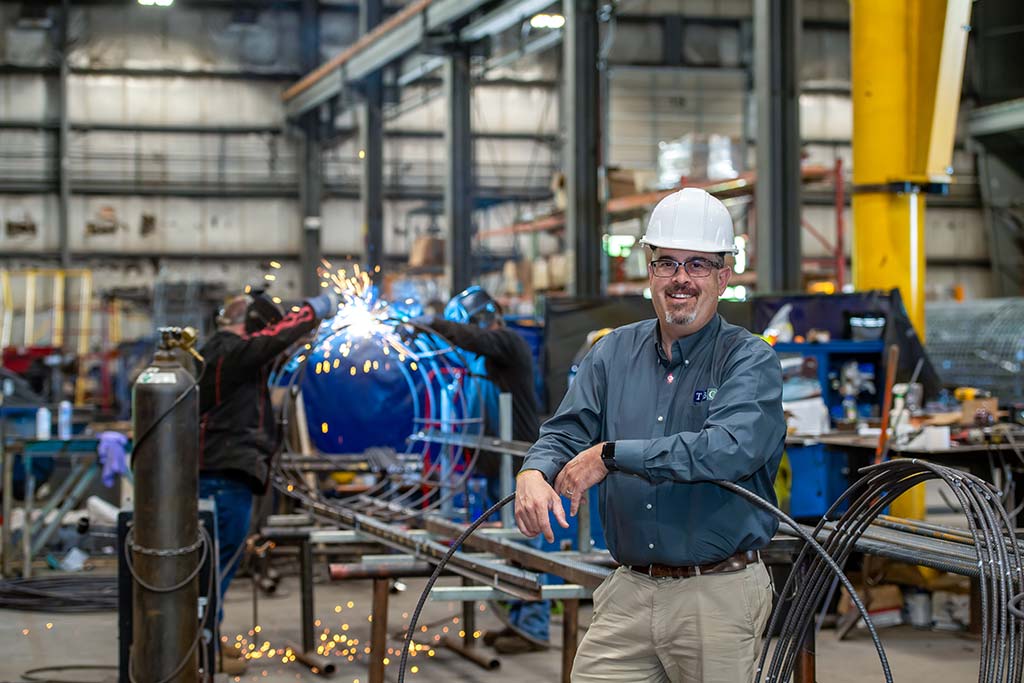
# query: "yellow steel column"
x,y
907,62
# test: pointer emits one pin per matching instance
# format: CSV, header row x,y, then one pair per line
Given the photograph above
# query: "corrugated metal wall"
x,y
118,174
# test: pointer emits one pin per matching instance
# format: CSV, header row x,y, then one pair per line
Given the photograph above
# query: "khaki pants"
x,y
704,629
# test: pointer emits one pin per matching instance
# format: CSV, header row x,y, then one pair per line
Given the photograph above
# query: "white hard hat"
x,y
691,219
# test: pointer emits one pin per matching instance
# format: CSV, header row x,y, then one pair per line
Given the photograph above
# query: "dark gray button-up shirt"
x,y
711,411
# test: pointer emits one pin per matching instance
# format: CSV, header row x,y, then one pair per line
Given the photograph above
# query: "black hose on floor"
x,y
65,593
437,572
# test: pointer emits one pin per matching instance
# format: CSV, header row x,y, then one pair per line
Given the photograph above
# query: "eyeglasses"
x,y
694,267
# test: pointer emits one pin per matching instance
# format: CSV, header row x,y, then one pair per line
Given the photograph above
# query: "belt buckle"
x,y
650,571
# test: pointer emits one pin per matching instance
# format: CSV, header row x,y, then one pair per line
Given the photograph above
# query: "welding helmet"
x,y
474,306
256,309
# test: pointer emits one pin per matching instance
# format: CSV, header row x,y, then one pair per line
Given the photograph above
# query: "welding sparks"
x,y
362,316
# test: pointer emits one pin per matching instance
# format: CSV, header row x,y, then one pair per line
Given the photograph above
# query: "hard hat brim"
x,y
691,245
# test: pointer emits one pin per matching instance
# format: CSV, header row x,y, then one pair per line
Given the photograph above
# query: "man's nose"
x,y
681,277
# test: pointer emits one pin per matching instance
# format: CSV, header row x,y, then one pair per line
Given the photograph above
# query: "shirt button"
x,y
686,362
649,506
661,418
651,546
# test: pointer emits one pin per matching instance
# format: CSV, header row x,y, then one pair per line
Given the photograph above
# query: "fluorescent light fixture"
x,y
737,293
547,21
156,3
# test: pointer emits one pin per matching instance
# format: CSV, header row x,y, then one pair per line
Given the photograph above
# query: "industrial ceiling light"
x,y
547,21
157,3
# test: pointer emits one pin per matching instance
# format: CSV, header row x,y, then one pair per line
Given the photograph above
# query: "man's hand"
x,y
534,499
582,472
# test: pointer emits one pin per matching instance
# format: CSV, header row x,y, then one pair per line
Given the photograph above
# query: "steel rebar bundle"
x,y
996,557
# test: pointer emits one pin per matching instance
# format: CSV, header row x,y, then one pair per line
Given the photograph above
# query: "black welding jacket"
x,y
509,366
238,432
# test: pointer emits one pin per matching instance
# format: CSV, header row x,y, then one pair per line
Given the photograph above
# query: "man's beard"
x,y
680,318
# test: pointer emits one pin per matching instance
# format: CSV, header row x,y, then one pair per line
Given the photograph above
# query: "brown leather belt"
x,y
734,563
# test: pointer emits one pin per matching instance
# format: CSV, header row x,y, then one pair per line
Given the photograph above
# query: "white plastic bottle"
x,y
43,426
64,420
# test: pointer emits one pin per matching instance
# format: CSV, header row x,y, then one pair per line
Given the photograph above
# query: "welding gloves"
x,y
325,305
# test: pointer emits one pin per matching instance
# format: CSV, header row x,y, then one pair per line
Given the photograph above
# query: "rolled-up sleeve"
x,y
576,425
745,423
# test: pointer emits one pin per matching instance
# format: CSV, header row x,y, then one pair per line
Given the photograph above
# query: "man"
x,y
237,431
474,323
658,411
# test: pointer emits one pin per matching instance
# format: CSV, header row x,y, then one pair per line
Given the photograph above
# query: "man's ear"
x,y
724,275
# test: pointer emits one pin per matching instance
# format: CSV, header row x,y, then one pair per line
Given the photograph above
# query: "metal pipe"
x,y
395,570
317,664
562,591
531,558
64,142
840,208
58,313
306,588
447,454
84,328
471,654
26,529
468,617
6,547
570,636
81,479
30,308
522,584
507,480
59,495
379,630
7,306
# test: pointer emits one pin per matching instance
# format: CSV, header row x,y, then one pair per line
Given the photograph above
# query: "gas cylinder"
x,y
165,539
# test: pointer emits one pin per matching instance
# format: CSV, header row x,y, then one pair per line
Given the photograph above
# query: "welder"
x,y
238,434
501,359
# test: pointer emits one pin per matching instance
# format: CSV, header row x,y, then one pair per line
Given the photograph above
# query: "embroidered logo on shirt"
x,y
704,395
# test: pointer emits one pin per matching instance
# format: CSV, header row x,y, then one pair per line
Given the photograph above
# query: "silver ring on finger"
x,y
568,493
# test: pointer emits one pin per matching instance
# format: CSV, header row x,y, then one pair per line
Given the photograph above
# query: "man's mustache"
x,y
682,290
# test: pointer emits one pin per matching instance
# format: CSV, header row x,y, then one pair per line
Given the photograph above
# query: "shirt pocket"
x,y
690,414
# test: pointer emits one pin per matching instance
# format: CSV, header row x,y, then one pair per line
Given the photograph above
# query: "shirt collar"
x,y
683,348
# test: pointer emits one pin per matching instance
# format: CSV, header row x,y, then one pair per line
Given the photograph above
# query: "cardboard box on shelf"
x,y
541,279
517,278
645,180
427,251
558,271
621,182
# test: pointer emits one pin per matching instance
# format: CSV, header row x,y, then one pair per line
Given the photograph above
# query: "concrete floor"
x,y
344,608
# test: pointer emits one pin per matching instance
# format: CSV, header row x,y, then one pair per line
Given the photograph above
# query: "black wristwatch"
x,y
608,456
